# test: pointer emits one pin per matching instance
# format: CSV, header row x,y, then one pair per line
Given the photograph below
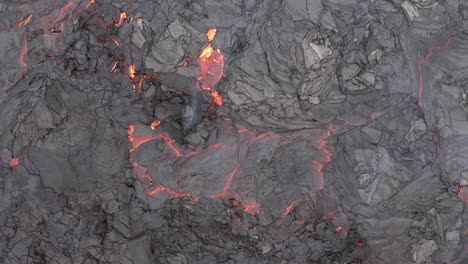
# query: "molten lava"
x,y
123,17
155,124
211,63
131,72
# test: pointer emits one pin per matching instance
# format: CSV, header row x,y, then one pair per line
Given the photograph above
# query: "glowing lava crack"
x,y
228,168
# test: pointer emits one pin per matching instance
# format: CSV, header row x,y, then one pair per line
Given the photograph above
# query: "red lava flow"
x,y
249,204
211,63
319,169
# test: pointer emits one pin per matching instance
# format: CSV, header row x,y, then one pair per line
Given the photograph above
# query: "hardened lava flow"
x,y
256,131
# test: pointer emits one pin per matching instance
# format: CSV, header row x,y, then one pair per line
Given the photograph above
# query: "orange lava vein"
x,y
170,142
89,4
123,17
155,124
289,208
25,20
61,13
229,180
423,60
139,140
24,52
320,173
116,43
169,191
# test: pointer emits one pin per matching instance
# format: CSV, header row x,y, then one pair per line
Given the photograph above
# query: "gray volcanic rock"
x,y
337,132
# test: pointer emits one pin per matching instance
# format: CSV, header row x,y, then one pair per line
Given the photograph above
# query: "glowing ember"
x,y
217,99
339,229
211,34
425,59
123,17
131,72
155,124
14,162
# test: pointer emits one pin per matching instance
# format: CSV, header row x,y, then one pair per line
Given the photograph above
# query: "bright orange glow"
x,y
155,124
217,99
24,52
139,140
339,229
131,71
206,53
211,34
14,162
211,64
123,17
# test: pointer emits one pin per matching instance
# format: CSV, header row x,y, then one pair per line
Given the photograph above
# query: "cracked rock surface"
x,y
233,131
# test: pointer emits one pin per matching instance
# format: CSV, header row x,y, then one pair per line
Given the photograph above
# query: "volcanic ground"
x,y
233,131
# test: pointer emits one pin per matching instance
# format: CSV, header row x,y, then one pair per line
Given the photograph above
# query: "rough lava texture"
x,y
233,131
